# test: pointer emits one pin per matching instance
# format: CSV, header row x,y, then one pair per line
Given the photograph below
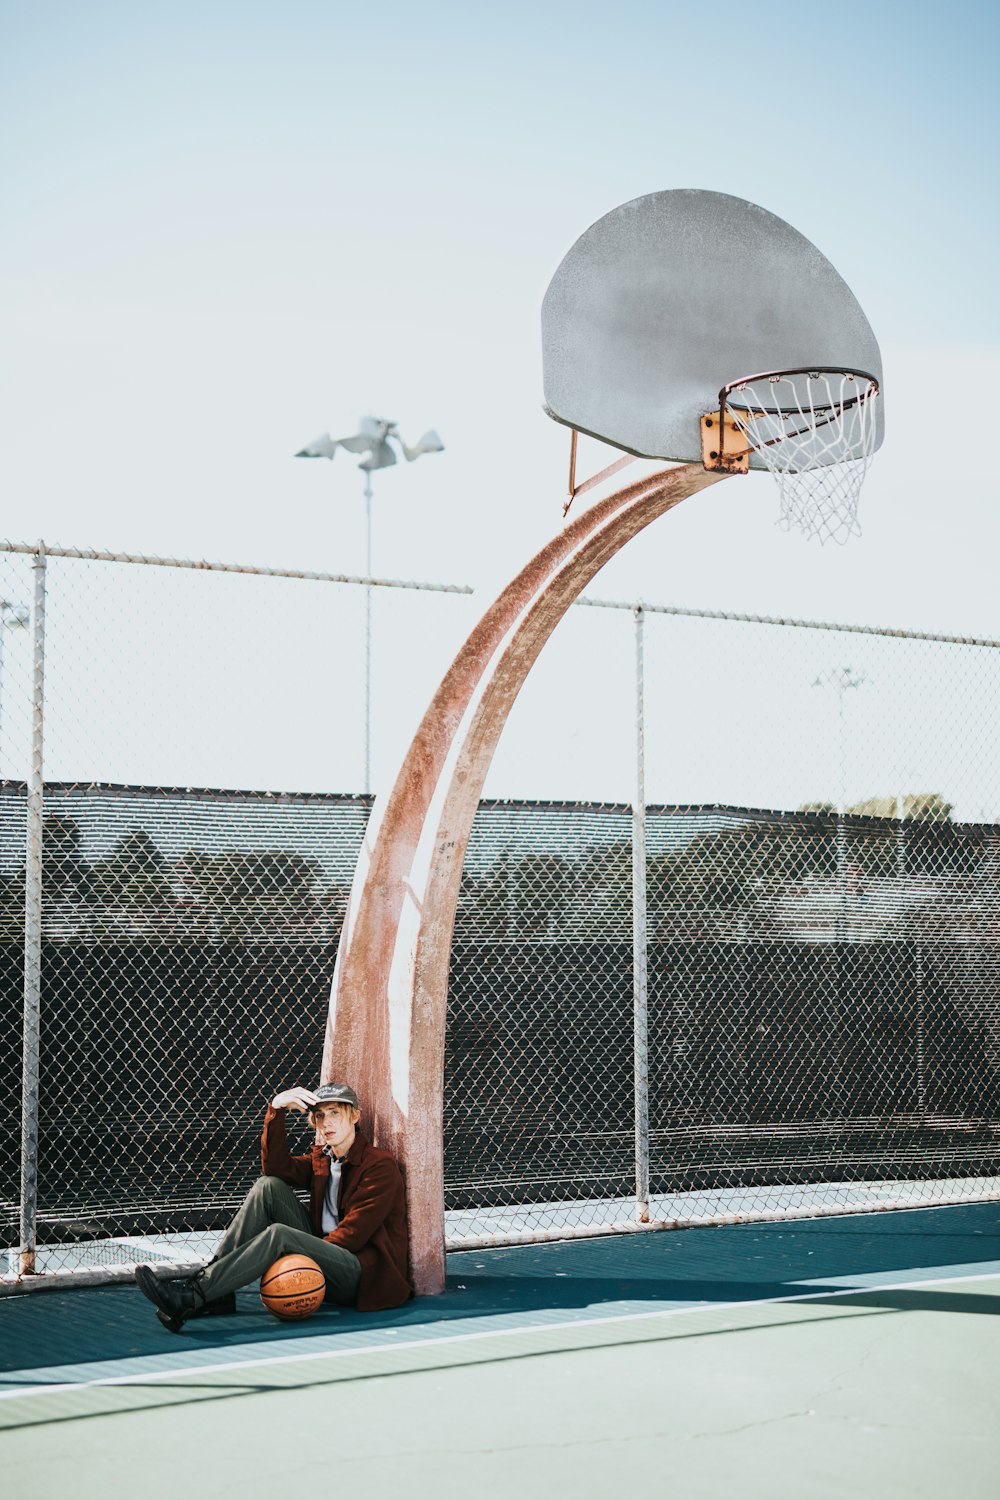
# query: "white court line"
x,y
498,1333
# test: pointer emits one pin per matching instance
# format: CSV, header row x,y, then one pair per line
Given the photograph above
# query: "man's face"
x,y
334,1125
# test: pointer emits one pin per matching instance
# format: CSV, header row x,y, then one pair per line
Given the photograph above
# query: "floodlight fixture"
x,y
373,440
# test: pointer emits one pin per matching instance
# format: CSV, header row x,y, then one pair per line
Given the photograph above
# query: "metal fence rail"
x,y
762,982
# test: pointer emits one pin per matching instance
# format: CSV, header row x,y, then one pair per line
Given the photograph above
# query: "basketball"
x,y
293,1288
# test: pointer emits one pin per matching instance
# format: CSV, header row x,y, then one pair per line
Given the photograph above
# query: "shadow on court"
x,y
922,1299
606,1276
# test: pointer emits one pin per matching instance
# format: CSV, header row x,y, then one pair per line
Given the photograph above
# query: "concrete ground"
x,y
851,1356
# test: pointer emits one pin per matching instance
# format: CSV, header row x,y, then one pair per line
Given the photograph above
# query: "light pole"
x,y
12,617
841,678
371,439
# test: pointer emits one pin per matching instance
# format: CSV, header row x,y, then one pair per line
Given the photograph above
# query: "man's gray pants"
x,y
272,1223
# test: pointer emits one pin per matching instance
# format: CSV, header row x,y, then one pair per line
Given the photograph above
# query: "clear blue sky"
x,y
232,226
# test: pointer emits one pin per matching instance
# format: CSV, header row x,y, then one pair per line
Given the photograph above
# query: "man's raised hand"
x,y
298,1099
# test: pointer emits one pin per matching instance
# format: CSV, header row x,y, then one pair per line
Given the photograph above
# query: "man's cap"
x,y
335,1093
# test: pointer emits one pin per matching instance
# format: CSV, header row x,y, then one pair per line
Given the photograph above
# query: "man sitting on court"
x,y
354,1229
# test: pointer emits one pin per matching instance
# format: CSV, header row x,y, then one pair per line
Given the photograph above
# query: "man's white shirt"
x,y
331,1214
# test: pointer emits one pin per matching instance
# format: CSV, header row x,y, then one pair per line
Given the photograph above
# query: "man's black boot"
x,y
216,1307
174,1300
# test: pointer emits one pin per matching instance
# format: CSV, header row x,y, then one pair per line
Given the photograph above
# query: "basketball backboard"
x,y
670,297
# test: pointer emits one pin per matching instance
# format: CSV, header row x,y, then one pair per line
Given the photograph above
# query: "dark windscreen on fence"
x,y
819,994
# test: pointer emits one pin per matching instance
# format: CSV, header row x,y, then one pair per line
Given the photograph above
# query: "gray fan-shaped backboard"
x,y
671,296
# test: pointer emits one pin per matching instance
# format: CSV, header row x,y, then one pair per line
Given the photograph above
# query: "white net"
x,y
815,431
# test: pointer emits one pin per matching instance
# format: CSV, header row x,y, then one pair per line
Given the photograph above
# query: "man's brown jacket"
x,y
371,1204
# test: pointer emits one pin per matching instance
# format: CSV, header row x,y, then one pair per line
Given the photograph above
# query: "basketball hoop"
x,y
815,432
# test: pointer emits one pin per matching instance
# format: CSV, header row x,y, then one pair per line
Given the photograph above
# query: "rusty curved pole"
x,y
386,1030
358,1014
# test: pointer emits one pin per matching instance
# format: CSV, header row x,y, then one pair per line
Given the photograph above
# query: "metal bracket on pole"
x,y
588,484
33,929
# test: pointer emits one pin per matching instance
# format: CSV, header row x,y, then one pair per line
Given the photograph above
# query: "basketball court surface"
x,y
847,1356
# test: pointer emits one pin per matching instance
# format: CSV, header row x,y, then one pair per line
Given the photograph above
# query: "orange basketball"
x,y
293,1287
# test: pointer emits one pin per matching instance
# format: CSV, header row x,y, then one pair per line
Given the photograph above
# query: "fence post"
x,y
921,1034
640,986
33,929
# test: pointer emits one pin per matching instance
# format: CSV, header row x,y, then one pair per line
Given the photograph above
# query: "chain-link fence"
x,y
761,982
815,1021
